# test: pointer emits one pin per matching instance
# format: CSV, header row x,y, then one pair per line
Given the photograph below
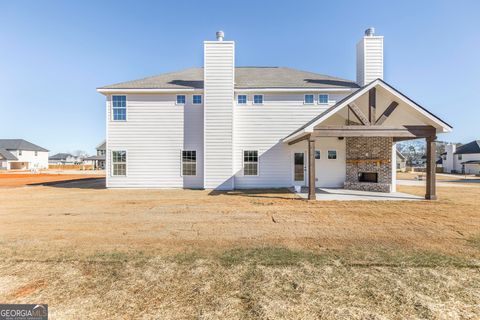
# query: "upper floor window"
x,y
119,163
119,107
197,99
250,163
317,154
19,152
189,163
36,153
323,98
242,99
459,157
258,99
180,99
332,154
308,99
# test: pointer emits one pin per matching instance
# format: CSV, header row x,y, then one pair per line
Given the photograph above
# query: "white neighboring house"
x,y
463,159
19,154
225,127
64,158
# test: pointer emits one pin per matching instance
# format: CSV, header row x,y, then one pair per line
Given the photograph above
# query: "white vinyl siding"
x,y
219,75
264,128
369,59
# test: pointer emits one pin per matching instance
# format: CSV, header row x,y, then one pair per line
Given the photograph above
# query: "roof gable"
x,y
20,144
309,126
471,147
6,155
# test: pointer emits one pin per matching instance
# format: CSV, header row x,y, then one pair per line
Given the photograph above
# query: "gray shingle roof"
x,y
60,156
471,147
6,155
20,144
245,78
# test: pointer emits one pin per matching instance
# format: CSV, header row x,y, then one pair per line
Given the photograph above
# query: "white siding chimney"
x,y
369,57
449,163
219,77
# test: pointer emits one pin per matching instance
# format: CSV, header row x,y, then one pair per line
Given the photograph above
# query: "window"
x,y
36,153
19,152
323,98
459,157
119,105
308,99
242,99
317,154
189,163
250,163
119,163
258,99
181,99
197,99
332,154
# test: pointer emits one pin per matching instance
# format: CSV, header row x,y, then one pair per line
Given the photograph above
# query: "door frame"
x,y
305,168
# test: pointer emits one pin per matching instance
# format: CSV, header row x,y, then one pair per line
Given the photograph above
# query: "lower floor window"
x,y
189,163
332,154
250,162
119,163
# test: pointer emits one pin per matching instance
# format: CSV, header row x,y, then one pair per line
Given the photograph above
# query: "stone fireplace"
x,y
369,163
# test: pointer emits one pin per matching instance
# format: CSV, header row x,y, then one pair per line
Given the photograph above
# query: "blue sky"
x,y
54,54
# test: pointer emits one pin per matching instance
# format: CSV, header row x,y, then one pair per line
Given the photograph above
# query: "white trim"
x,y
176,100
258,104
112,163
243,163
240,90
181,163
120,91
111,107
305,98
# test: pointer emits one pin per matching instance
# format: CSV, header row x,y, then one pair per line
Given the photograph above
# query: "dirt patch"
x,y
28,289
12,180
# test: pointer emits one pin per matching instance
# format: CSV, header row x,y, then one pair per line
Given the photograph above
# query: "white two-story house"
x,y
462,159
227,127
19,154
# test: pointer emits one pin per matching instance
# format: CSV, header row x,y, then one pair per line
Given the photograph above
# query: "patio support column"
x,y
431,169
311,169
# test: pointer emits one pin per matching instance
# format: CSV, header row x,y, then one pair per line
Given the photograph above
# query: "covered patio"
x,y
336,194
370,140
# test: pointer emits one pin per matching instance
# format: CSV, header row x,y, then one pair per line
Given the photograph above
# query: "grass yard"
x,y
176,254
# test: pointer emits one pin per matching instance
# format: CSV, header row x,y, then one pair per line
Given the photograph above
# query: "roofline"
x,y
308,128
145,90
239,89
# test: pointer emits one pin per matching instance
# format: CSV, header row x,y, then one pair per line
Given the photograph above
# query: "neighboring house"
x,y
462,159
98,161
19,154
401,162
64,158
225,127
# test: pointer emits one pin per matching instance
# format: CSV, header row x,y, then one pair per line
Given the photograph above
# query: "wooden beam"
x,y
372,105
299,139
386,113
431,193
408,132
311,170
359,114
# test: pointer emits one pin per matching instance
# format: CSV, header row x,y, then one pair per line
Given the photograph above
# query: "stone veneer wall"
x,y
365,148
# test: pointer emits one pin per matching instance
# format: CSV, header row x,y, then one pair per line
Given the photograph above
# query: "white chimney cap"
x,y
220,35
370,32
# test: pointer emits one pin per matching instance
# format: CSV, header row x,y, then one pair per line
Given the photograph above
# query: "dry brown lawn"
x,y
176,254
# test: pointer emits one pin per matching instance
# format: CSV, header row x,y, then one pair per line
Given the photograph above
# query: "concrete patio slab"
x,y
329,194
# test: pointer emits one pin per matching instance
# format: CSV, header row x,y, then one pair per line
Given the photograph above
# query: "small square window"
x,y
317,154
181,99
242,99
258,99
197,99
308,99
332,154
323,99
